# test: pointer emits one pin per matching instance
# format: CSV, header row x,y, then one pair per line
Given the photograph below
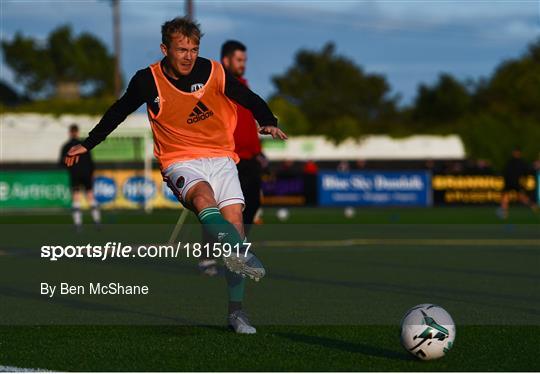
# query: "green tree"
x,y
491,116
62,65
333,93
490,136
514,88
291,119
445,102
506,110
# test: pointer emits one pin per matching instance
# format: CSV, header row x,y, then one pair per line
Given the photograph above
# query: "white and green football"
x,y
427,331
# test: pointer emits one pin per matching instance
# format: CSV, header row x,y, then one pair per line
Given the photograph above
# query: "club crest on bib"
x,y
180,182
196,87
199,113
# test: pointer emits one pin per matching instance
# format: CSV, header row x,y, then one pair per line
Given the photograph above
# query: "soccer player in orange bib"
x,y
190,106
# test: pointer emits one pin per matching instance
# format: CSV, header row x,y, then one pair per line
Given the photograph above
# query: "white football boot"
x,y
245,265
239,322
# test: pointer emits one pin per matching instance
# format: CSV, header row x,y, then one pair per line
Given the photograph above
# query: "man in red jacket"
x,y
246,136
247,145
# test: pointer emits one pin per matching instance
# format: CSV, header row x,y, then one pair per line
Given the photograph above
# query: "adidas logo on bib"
x,y
199,113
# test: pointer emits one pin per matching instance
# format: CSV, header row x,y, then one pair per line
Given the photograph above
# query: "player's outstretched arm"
x,y
136,94
259,108
274,131
73,155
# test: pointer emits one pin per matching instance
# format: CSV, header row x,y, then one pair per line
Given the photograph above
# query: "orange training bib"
x,y
193,125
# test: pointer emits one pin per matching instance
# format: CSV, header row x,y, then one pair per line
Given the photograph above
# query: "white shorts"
x,y
219,172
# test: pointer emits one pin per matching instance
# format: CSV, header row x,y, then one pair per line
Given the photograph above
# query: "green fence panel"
x,y
34,189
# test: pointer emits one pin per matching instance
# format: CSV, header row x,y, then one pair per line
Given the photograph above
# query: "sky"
x,y
410,42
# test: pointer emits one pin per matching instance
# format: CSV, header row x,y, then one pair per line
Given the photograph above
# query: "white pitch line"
x,y
412,242
12,369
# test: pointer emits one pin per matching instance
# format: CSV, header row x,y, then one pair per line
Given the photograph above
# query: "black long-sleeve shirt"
x,y
142,90
515,169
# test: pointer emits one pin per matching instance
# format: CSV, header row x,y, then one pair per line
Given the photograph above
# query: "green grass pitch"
x,y
323,307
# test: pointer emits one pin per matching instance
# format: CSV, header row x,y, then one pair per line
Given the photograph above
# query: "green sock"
x,y
236,285
219,228
224,232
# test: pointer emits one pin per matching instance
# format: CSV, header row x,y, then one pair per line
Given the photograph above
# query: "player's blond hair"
x,y
183,26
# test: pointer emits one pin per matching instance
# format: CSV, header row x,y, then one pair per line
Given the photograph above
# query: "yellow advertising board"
x,y
475,189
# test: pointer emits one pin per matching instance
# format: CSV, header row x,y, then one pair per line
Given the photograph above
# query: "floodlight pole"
x,y
117,47
189,9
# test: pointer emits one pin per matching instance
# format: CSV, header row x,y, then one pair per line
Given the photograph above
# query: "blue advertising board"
x,y
375,188
105,189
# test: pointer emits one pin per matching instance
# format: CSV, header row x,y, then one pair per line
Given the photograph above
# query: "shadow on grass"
x,y
345,346
86,306
178,330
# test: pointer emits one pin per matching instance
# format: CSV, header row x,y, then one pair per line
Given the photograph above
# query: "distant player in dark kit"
x,y
80,176
516,168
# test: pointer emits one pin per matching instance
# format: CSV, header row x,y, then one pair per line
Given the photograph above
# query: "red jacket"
x,y
246,136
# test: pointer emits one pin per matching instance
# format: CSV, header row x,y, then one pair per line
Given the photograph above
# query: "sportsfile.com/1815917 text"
x,y
118,250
